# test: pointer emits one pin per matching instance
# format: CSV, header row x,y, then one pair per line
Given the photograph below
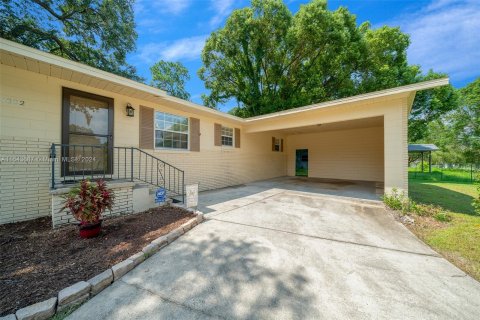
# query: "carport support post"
x,y
396,146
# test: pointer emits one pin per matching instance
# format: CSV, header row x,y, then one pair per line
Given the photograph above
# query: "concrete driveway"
x,y
292,249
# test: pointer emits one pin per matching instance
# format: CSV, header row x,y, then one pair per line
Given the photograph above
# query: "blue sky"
x,y
445,34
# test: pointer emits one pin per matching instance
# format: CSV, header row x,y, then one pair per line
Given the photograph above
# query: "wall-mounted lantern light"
x,y
130,110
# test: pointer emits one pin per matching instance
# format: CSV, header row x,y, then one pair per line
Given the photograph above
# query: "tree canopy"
x,y
457,132
171,77
99,33
430,105
268,59
466,120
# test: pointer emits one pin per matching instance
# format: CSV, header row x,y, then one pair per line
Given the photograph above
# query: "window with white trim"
x,y
227,136
171,131
277,145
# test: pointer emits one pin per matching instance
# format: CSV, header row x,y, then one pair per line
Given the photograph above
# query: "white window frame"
x,y
227,136
278,143
155,129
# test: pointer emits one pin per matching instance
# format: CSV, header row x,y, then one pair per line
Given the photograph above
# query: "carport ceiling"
x,y
335,126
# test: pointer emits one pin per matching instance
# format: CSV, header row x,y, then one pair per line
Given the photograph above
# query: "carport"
x,y
350,151
360,138
345,150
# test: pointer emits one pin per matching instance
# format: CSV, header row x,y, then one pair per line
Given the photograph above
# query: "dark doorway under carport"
x,y
301,163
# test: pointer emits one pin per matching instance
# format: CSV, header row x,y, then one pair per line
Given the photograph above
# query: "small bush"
x,y
427,210
442,216
89,200
393,200
399,201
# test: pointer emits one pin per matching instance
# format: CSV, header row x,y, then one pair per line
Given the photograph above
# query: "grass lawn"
x,y
450,175
459,239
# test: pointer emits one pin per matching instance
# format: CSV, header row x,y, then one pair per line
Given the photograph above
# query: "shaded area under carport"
x,y
225,199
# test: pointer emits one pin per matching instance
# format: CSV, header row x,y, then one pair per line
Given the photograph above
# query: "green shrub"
x,y
442,216
399,201
393,200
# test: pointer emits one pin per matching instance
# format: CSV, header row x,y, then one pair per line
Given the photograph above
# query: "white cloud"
x,y
185,49
441,3
181,49
445,37
163,6
174,6
150,52
222,9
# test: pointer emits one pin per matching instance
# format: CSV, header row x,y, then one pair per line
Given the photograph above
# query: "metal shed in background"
x,y
422,149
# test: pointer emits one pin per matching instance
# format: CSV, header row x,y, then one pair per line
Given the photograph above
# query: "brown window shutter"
x,y
194,134
237,138
218,134
146,128
281,145
273,143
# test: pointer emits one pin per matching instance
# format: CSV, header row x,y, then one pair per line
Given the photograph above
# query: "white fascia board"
x,y
52,59
203,109
49,58
412,88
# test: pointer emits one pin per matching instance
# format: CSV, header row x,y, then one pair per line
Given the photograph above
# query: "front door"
x,y
87,133
301,163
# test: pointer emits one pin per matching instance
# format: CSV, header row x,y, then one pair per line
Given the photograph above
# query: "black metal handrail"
x,y
78,162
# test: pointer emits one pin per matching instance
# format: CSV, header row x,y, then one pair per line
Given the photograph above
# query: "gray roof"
x,y
422,147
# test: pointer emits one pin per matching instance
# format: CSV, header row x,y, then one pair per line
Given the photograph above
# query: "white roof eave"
x,y
31,53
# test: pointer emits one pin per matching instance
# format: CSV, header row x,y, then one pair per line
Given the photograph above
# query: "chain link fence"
x,y
469,173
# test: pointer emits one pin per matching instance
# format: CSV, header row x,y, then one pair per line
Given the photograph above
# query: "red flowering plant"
x,y
88,201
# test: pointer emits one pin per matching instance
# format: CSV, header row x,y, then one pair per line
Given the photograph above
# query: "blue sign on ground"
x,y
160,195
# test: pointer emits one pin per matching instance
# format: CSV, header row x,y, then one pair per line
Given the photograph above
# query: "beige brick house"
x,y
83,112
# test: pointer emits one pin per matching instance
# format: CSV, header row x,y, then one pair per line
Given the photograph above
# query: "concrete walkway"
x,y
281,250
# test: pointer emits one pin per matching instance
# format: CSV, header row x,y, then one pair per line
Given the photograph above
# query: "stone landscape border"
x,y
81,291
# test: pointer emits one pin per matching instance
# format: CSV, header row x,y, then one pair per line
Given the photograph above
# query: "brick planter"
x,y
123,203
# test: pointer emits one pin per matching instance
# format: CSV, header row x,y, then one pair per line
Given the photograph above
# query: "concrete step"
x,y
144,197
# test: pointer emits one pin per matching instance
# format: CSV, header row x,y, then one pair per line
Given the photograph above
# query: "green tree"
x,y
430,105
99,33
466,121
441,133
385,59
268,59
455,132
171,77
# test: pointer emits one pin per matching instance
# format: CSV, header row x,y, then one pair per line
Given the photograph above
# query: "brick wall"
x,y
24,189
24,178
123,203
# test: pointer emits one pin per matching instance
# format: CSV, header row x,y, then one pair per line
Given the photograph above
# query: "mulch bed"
x,y
36,261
